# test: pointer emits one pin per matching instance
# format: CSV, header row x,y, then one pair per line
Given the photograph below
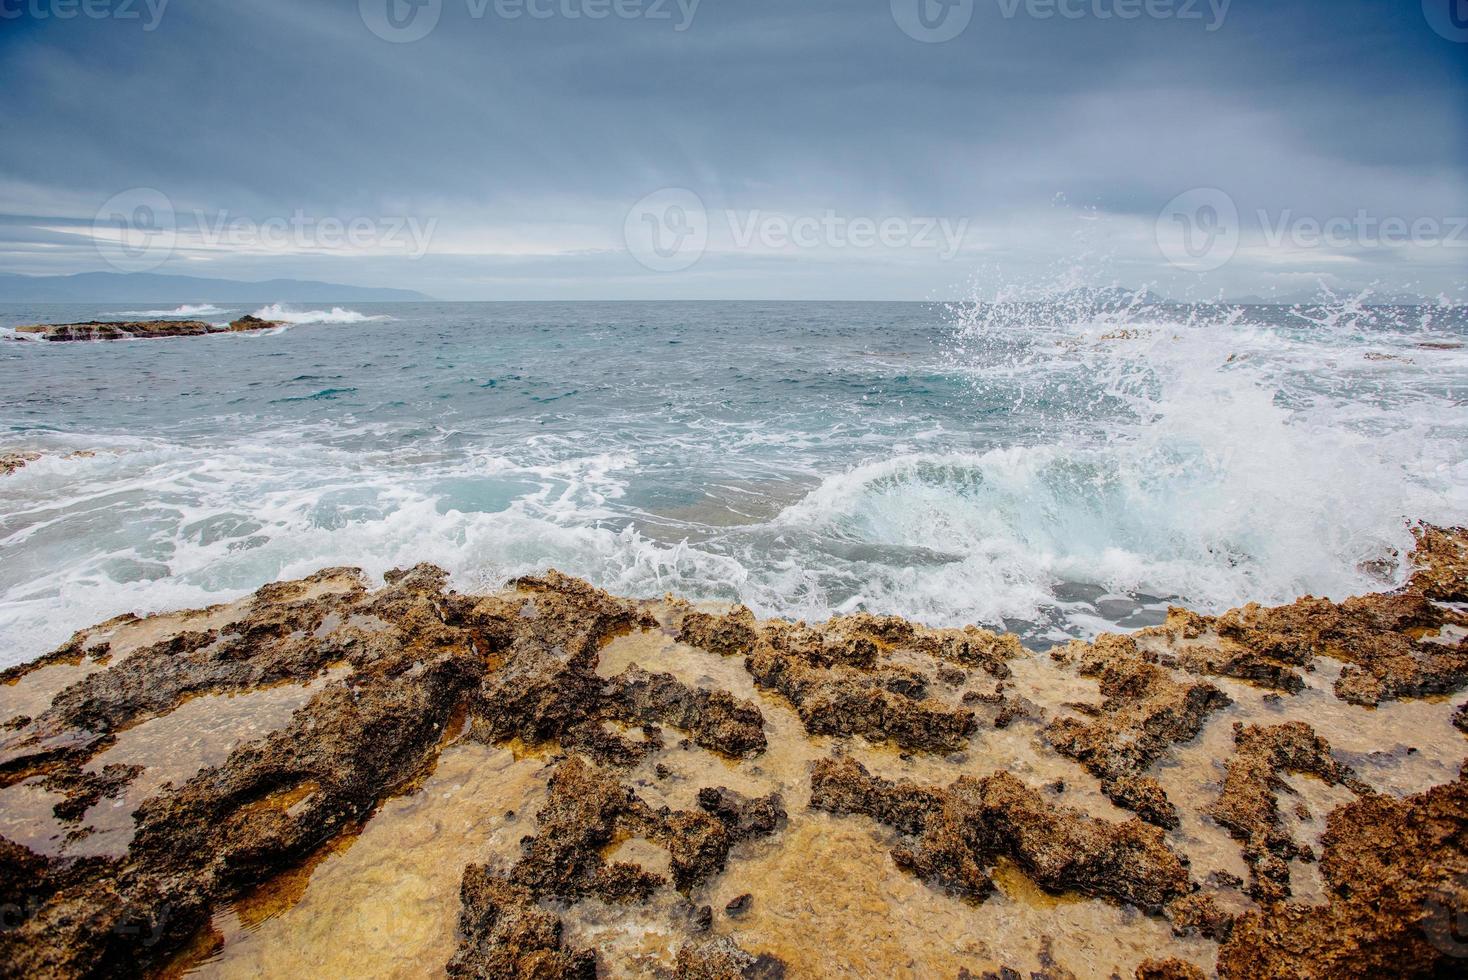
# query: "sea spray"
x,y
1058,467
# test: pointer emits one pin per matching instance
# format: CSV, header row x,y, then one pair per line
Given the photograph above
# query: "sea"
x,y
1053,466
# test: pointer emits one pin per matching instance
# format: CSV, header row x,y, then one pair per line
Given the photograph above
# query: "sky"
x,y
742,149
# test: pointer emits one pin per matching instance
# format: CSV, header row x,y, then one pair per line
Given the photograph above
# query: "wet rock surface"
x,y
732,798
1398,876
1144,712
1393,645
1248,806
10,462
958,834
842,681
1440,563
139,329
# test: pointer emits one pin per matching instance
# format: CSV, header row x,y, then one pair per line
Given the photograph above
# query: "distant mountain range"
x,y
143,287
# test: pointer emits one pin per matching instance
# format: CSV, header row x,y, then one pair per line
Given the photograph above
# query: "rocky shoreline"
x,y
140,329
564,783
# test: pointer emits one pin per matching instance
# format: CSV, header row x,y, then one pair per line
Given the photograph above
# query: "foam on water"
x,y
186,311
154,527
283,314
1181,454
1231,463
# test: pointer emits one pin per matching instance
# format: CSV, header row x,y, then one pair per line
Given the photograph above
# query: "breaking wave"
x,y
1047,468
336,314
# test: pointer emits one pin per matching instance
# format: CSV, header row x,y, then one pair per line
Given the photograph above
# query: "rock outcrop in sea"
x,y
10,462
547,781
140,329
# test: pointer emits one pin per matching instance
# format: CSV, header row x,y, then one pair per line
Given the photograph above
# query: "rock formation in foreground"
x,y
140,329
550,781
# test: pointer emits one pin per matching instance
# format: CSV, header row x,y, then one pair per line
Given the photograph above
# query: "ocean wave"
x,y
10,333
1213,463
336,314
241,515
183,312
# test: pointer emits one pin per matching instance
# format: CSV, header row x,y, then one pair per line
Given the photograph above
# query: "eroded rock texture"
x,y
1145,711
546,686
655,789
1389,642
957,834
1248,807
417,659
843,681
1398,876
1441,562
589,810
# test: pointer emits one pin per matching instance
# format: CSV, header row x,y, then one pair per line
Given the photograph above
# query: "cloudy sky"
x,y
818,149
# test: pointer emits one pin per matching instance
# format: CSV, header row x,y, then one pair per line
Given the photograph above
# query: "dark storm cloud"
x,y
546,130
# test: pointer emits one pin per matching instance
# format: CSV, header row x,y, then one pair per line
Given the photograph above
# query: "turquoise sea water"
x,y
1053,468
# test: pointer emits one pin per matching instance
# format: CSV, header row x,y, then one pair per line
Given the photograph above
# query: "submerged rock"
x,y
10,462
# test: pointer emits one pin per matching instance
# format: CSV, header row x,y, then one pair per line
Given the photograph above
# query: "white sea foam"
x,y
203,525
1248,465
1199,458
336,314
183,312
